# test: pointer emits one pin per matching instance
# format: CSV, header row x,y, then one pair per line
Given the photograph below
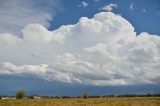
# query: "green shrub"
x,y
20,94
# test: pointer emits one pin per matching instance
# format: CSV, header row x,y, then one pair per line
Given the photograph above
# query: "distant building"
x,y
7,97
35,97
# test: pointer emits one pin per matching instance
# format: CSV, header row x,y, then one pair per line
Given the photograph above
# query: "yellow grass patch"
x,y
124,101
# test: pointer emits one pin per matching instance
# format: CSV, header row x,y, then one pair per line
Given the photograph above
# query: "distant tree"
x,y
20,94
85,95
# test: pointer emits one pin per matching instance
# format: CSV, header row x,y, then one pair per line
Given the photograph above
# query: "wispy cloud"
x,y
144,10
96,0
109,7
131,7
83,4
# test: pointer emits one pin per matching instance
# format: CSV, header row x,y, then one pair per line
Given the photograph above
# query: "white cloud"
x,y
41,34
109,7
131,7
103,50
8,39
16,14
10,68
83,4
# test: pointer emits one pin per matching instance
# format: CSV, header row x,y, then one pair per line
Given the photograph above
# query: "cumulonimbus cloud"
x,y
103,50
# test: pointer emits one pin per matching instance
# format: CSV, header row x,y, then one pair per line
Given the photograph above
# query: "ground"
x,y
117,101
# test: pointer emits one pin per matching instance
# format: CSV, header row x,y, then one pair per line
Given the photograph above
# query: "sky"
x,y
66,47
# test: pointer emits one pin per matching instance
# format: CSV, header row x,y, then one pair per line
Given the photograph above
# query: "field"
x,y
124,101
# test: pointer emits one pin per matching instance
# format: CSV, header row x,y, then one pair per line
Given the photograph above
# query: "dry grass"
x,y
132,101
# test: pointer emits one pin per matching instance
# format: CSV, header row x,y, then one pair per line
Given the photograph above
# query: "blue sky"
x,y
65,47
144,15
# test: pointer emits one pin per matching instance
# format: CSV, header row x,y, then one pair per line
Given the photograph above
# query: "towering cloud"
x,y
103,50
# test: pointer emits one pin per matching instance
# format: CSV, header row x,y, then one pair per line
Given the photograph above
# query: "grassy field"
x,y
125,101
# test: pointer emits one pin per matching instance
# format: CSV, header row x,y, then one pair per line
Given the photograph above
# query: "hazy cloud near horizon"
x,y
16,14
103,50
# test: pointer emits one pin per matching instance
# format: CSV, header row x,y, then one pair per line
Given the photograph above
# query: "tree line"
x,y
21,94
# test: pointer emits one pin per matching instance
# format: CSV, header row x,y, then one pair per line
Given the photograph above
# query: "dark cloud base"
x,y
34,85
